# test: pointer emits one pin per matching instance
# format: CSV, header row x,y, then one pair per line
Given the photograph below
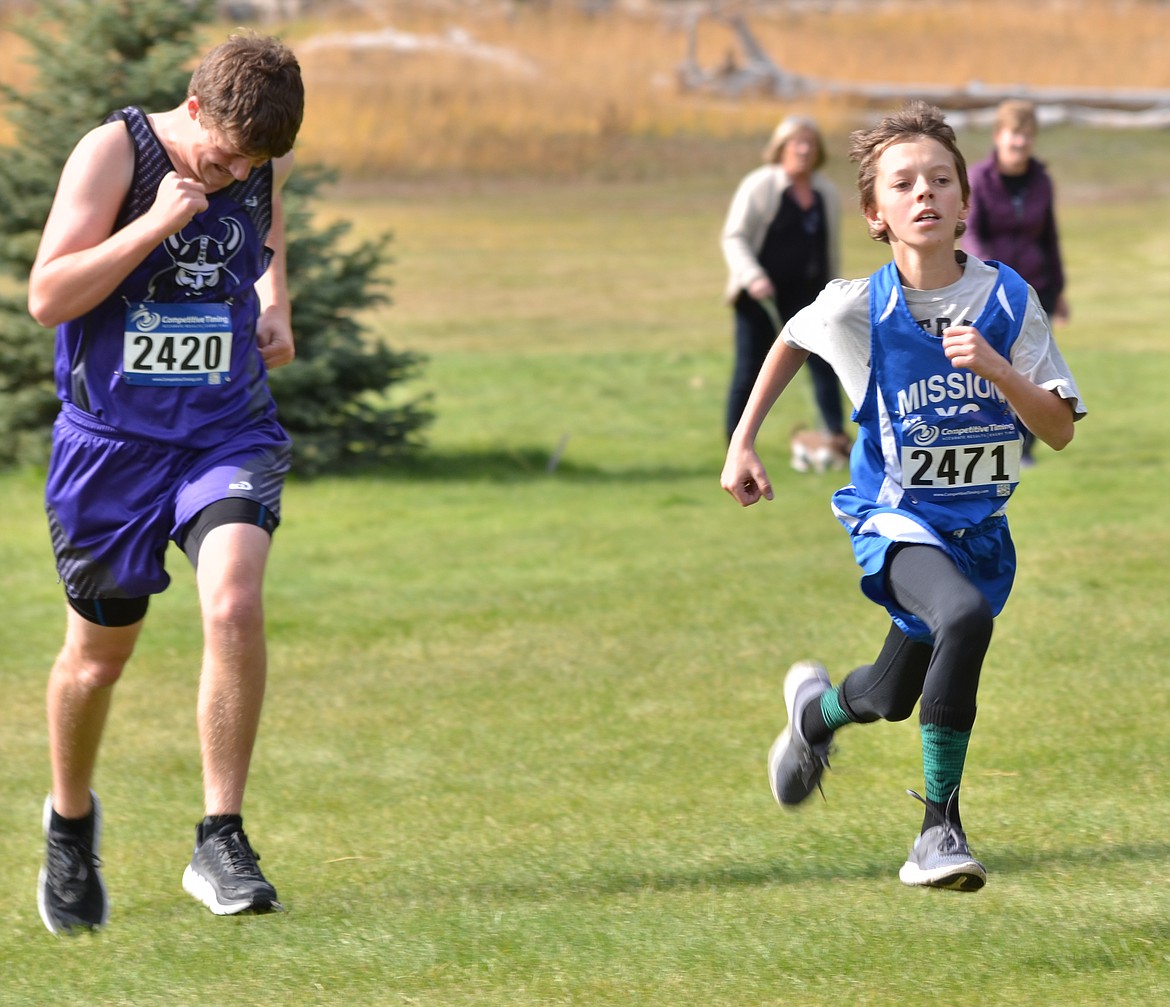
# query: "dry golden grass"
x,y
596,80
581,85
1091,43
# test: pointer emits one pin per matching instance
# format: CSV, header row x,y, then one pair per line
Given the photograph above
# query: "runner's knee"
x,y
968,623
95,653
233,609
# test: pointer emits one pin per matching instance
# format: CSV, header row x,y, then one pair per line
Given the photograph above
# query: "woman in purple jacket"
x,y
1012,217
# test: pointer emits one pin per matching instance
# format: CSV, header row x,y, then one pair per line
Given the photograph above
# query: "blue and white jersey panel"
x,y
954,428
956,431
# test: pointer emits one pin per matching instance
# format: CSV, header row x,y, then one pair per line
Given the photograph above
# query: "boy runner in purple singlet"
x,y
162,268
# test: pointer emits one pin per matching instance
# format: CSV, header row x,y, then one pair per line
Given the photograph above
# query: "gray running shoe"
x,y
795,766
224,874
940,858
70,893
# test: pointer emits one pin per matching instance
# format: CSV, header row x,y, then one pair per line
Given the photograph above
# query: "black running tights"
x,y
925,581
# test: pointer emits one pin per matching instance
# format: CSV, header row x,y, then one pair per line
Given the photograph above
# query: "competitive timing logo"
x,y
921,433
145,320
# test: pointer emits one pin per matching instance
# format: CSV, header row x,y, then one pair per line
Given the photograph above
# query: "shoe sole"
x,y
43,874
198,887
775,754
968,877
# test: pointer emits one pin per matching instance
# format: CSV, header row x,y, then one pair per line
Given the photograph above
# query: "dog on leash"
x,y
817,451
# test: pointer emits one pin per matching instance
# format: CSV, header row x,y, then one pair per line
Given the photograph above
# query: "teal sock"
x,y
944,753
831,710
820,720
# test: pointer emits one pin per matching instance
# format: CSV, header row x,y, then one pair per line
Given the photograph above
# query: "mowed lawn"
x,y
513,750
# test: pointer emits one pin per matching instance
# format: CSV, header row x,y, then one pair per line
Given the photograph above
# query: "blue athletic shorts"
x,y
985,554
113,504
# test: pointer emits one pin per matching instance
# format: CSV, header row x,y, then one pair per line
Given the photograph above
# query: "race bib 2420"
x,y
177,344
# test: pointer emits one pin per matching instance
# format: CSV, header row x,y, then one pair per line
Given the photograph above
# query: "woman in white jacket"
x,y
781,244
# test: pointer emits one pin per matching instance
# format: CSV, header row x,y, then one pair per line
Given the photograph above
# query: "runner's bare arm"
x,y
274,333
81,258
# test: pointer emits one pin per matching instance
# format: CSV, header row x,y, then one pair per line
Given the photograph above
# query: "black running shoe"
x,y
224,876
70,894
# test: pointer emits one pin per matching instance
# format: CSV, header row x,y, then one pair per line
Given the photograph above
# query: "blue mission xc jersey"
x,y
936,442
171,355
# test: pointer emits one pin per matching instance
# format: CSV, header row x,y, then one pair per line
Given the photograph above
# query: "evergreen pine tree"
x,y
335,399
94,56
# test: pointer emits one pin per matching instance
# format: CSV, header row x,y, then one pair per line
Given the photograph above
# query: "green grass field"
x,y
513,750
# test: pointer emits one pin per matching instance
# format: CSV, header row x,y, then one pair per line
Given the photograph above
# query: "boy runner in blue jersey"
x,y
162,267
945,358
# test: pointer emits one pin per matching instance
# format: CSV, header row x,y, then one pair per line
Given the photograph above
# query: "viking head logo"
x,y
201,261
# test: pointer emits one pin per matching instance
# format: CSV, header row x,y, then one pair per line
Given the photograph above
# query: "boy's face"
x,y
918,194
217,163
220,164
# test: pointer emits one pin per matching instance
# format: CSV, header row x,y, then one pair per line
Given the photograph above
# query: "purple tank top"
x,y
171,355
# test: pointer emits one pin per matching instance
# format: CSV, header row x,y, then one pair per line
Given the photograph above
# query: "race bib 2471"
x,y
964,455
